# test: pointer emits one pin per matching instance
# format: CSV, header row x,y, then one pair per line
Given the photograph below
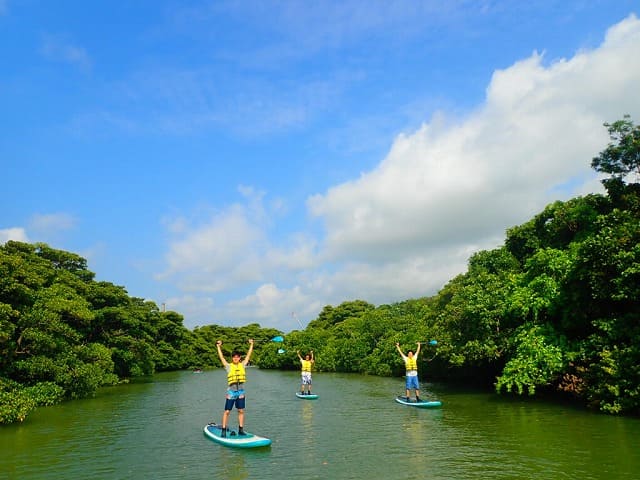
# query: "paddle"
x,y
432,343
279,339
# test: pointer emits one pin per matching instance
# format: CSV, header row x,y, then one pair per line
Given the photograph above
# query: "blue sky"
x,y
241,161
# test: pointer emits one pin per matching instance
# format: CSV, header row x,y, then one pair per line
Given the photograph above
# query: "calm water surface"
x,y
353,431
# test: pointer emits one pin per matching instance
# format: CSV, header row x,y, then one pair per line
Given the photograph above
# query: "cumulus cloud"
x,y
17,234
43,227
443,192
457,183
193,306
271,305
228,247
215,254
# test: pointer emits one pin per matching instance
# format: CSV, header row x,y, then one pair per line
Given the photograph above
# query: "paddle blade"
x,y
433,342
281,350
278,339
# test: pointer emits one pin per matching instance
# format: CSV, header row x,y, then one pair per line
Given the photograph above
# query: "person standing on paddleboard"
x,y
306,362
411,365
236,377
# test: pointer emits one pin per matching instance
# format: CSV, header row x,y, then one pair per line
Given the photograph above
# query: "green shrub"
x,y
15,406
45,393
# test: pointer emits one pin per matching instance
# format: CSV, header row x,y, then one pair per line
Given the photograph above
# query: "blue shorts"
x,y
234,397
238,402
412,382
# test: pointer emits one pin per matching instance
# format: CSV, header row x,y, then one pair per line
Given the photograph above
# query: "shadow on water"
x,y
153,429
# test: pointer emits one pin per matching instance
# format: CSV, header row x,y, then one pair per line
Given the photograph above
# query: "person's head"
x,y
410,353
307,357
235,356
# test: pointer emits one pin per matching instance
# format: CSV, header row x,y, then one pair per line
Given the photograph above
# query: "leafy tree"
x,y
475,313
622,155
332,315
63,335
538,360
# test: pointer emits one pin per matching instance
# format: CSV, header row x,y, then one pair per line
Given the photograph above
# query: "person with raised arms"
x,y
306,363
236,378
411,365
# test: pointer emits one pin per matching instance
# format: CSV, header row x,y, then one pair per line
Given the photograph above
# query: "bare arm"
x,y
299,356
248,357
220,356
399,350
418,349
312,359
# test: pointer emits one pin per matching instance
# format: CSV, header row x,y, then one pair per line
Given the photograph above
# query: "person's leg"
x,y
241,418
240,404
305,383
225,418
228,405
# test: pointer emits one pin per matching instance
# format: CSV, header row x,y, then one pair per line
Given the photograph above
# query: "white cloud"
x,y
216,254
443,192
299,254
452,184
221,250
17,234
272,306
41,226
192,307
228,253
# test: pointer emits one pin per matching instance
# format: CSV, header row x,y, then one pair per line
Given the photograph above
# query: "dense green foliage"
x,y
555,309
64,335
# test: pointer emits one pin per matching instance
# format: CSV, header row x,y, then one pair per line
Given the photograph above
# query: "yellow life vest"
x,y
411,364
306,365
236,373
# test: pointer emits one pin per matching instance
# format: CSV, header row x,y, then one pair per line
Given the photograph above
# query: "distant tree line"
x,y
555,309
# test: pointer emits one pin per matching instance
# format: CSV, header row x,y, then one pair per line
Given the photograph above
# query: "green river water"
x,y
355,430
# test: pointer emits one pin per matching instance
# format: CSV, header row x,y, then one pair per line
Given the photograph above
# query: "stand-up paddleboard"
x,y
420,404
311,396
248,440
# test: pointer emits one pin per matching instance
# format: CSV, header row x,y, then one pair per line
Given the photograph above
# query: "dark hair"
x,y
236,353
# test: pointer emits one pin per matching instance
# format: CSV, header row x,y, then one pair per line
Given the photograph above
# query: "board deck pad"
x,y
233,439
420,404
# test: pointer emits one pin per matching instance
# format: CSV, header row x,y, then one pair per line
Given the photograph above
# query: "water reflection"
x,y
231,464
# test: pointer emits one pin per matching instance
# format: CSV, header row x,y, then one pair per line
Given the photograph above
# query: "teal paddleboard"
x,y
233,439
311,396
420,404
